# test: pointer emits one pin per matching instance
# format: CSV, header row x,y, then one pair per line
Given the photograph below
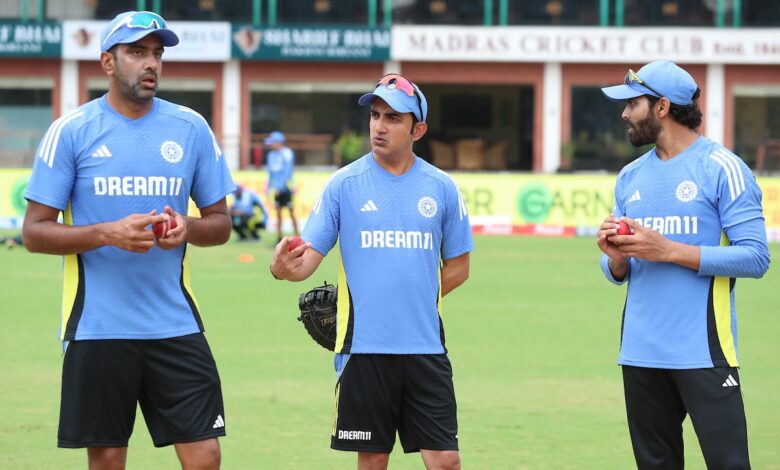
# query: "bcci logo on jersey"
x,y
687,191
427,207
171,151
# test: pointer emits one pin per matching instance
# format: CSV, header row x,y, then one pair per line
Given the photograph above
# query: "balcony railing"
x,y
717,13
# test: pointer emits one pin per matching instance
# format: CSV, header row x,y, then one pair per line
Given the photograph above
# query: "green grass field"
x,y
533,337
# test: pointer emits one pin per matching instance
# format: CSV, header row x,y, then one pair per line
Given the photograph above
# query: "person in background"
x,y
281,163
11,242
248,214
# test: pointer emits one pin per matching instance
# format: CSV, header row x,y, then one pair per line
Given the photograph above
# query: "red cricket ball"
x,y
161,228
624,229
295,242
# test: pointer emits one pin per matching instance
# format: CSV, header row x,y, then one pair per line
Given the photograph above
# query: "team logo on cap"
x,y
171,151
427,206
687,191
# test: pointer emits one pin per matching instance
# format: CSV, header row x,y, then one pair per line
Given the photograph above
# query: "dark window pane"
x,y
598,133
495,122
25,115
554,12
757,131
108,9
323,11
208,10
501,117
670,13
760,13
438,12
318,119
467,110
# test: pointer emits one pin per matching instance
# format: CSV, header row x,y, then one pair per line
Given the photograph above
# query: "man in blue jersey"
x,y
404,239
695,212
248,214
281,162
131,326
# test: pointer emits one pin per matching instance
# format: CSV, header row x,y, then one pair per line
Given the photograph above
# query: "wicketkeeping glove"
x,y
318,314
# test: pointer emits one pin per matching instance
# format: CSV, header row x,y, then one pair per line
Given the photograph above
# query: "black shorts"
x,y
657,402
174,380
379,394
283,198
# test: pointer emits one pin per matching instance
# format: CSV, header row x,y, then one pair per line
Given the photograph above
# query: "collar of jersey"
x,y
690,151
389,176
107,108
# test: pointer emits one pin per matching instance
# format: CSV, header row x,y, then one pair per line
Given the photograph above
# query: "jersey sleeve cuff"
x,y
608,272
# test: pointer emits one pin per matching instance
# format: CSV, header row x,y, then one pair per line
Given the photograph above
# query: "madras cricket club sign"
x,y
585,44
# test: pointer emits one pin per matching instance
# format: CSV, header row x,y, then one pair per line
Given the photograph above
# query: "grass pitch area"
x,y
533,337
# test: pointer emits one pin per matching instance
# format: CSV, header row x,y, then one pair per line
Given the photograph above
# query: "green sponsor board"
x,y
18,202
30,39
310,43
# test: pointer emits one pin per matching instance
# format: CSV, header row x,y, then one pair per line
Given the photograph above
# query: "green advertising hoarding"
x,y
310,43
30,39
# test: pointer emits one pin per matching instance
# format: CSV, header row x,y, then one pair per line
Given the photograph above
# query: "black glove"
x,y
318,314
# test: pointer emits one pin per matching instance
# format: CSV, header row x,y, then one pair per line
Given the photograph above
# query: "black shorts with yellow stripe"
x,y
378,395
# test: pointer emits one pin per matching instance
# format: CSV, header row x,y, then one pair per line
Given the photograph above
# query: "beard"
x,y
644,132
135,91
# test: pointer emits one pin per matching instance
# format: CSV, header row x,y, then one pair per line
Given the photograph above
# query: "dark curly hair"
x,y
688,115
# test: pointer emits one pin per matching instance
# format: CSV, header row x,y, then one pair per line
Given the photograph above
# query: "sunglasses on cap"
x,y
395,81
138,20
632,77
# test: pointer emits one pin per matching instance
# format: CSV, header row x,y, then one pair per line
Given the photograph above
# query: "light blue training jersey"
x,y
675,317
247,202
280,168
393,233
99,166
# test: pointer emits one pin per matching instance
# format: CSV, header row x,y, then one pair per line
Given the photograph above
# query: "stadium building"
x,y
512,85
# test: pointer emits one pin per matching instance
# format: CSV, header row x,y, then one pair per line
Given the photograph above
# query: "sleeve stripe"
x,y
733,174
318,203
217,150
735,164
461,202
463,212
51,139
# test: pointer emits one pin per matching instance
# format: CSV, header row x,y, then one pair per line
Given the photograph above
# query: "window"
x,y
25,115
757,127
598,138
312,121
